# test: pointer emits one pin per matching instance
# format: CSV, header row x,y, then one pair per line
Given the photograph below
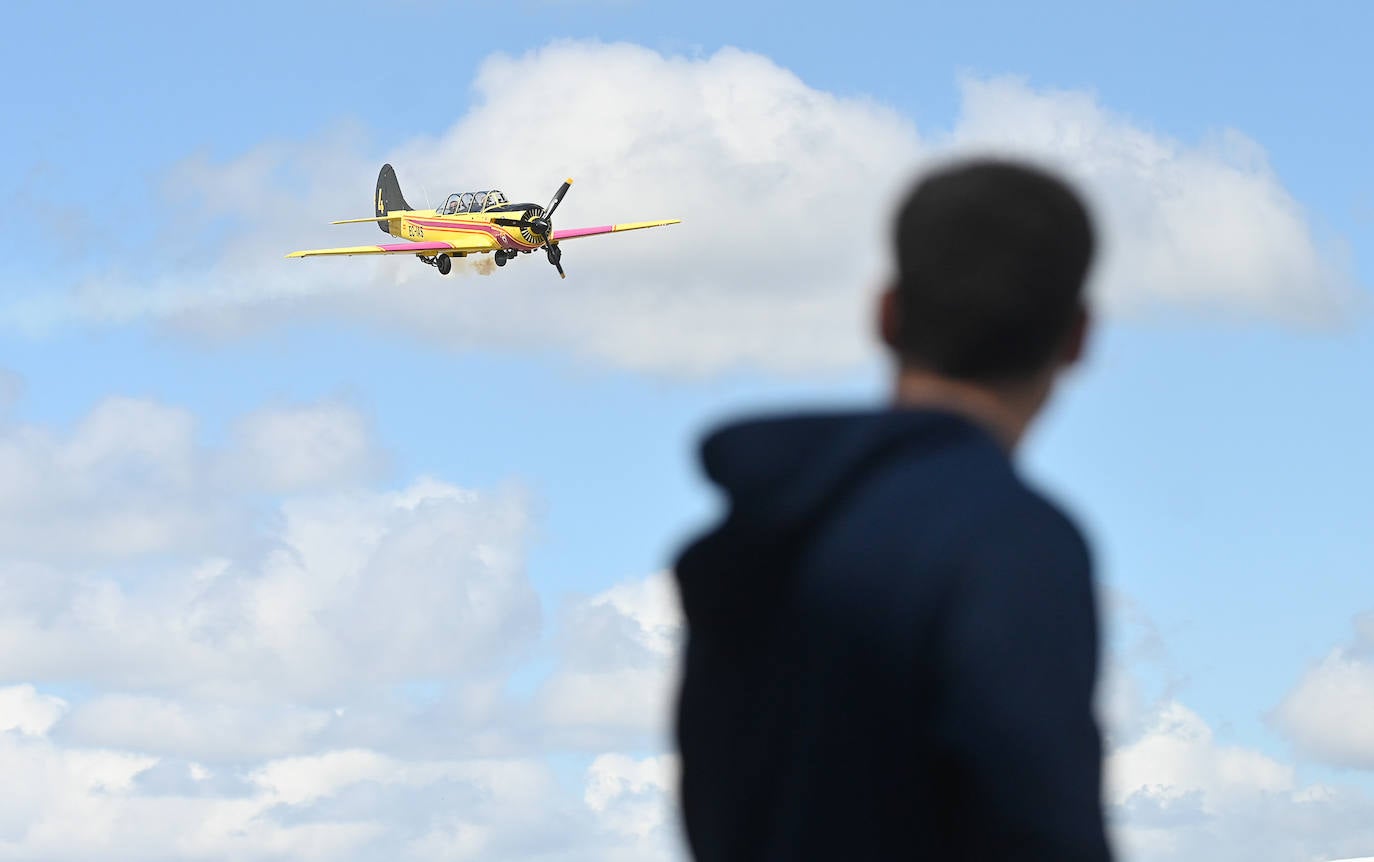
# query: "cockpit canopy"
x,y
472,202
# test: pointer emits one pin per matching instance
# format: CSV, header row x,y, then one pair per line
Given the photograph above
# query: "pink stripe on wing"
x,y
582,231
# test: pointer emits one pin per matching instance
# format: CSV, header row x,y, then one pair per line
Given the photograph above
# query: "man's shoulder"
x,y
977,495
1028,538
967,473
1033,518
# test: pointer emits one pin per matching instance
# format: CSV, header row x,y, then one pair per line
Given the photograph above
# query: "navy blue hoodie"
x,y
891,651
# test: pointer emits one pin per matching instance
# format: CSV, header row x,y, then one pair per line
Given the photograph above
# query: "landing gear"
x,y
444,264
555,255
502,256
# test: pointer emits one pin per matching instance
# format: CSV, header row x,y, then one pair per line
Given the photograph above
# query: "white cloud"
x,y
608,705
632,795
1176,792
302,449
24,710
182,726
1178,756
131,558
55,489
297,780
652,607
342,804
618,666
254,700
635,623
1207,226
358,589
133,477
1327,714
785,191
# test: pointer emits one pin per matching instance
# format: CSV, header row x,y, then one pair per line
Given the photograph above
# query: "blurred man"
x,y
892,639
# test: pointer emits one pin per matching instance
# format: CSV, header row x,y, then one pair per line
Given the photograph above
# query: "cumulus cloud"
x,y
613,685
345,804
1207,225
24,710
630,793
131,557
54,487
1178,793
1176,790
301,449
1326,714
181,725
785,191
327,680
1178,756
133,477
357,590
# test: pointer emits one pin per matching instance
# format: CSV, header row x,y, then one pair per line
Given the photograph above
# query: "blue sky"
x,y
1218,456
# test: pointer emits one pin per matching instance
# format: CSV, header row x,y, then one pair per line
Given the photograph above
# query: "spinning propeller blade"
x,y
558,197
542,226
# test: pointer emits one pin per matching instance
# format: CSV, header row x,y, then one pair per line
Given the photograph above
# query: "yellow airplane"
x,y
469,223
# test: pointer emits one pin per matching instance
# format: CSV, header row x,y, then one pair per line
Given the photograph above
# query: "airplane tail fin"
x,y
389,197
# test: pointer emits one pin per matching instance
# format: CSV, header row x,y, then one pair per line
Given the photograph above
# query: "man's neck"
x,y
1004,410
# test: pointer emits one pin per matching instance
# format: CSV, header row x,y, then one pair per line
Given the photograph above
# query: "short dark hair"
x,y
991,260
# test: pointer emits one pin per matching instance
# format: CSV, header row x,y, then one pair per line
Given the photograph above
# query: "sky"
x,y
342,559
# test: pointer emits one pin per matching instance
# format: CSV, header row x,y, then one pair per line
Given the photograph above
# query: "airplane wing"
x,y
579,232
476,243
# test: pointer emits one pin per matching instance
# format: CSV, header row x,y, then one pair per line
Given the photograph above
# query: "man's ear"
x,y
1076,344
890,319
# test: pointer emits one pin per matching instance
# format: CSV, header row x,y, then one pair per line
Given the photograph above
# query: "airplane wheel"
x,y
445,265
500,259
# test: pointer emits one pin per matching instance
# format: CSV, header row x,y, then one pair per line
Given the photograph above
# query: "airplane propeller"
x,y
542,226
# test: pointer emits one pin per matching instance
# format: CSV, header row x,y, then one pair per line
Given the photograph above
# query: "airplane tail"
x,y
389,197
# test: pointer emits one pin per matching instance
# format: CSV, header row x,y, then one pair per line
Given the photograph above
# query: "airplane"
x,y
469,223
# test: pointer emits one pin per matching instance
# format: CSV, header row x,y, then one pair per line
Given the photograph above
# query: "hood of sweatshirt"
x,y
781,476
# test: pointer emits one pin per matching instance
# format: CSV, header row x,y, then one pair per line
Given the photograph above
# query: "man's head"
x,y
991,260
